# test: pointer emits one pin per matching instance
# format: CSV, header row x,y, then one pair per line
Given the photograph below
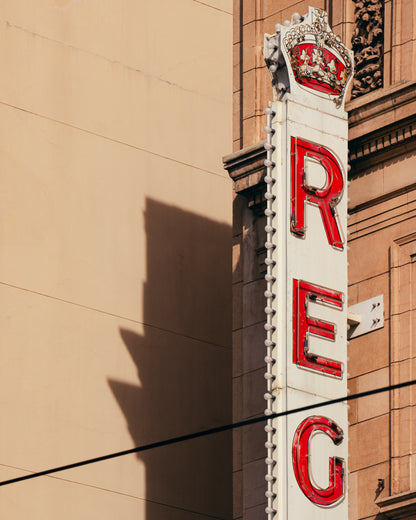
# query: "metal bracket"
x,y
365,317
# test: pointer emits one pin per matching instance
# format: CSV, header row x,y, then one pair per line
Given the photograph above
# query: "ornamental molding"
x,y
388,143
243,162
396,507
382,126
381,108
246,168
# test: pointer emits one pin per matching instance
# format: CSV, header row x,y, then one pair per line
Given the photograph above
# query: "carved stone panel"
x,y
367,44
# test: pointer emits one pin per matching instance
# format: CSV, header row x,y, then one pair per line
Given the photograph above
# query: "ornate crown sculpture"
x,y
316,57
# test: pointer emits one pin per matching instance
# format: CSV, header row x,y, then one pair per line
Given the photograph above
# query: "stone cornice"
x,y
246,168
381,108
398,506
244,164
382,125
387,143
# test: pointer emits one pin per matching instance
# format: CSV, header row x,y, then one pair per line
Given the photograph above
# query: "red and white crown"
x,y
313,55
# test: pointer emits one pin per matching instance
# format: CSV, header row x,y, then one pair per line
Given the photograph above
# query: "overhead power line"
x,y
210,431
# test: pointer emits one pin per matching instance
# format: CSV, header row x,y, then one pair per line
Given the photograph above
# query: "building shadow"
x,y
183,362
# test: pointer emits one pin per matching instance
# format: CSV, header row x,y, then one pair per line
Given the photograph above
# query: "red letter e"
x,y
304,325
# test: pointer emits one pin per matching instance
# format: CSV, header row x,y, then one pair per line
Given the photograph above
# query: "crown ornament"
x,y
306,53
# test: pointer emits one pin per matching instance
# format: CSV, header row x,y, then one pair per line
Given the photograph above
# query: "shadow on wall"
x,y
184,366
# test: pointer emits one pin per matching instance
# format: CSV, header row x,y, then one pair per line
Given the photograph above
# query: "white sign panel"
x,y
307,270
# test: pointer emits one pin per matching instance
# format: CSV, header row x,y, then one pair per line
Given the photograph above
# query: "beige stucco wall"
x,y
115,255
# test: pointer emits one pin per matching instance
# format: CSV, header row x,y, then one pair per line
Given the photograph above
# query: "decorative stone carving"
x,y
367,44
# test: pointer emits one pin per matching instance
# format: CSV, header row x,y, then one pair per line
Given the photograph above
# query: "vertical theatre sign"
x,y
307,132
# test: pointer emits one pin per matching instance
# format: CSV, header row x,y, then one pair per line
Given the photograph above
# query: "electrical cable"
x,y
210,431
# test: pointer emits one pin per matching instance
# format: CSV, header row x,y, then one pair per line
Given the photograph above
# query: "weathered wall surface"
x,y
115,272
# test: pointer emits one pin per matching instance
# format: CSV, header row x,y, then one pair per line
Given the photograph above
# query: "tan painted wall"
x,y
115,256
